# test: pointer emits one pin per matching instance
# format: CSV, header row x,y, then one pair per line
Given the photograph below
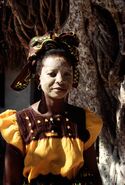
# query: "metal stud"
x,y
38,121
51,119
67,119
27,118
58,119
29,124
68,126
46,120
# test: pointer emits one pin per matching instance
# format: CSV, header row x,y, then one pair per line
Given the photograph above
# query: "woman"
x,y
46,141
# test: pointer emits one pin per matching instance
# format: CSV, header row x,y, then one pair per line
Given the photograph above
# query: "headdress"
x,y
38,47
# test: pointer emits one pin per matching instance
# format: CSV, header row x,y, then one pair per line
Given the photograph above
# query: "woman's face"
x,y
56,77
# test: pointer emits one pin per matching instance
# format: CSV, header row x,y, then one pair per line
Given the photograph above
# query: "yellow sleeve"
x,y
94,126
10,130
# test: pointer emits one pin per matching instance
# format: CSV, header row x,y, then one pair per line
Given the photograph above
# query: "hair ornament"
x,y
38,46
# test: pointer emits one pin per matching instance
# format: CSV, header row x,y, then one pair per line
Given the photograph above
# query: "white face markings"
x,y
56,77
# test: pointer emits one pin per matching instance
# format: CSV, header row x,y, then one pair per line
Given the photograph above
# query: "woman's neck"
x,y
51,106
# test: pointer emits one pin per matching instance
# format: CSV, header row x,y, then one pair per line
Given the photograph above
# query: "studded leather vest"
x,y
70,124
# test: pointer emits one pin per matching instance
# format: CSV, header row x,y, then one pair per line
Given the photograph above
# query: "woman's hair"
x,y
65,45
54,53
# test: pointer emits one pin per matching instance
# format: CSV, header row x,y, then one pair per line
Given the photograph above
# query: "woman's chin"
x,y
58,95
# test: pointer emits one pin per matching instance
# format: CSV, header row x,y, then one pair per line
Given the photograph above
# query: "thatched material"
x,y
21,20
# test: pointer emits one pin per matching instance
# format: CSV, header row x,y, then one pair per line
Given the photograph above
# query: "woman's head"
x,y
55,75
50,45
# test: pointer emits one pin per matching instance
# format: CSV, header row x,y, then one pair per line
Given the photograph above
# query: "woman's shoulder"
x,y
94,125
9,128
7,117
75,112
93,117
89,114
7,113
10,115
75,108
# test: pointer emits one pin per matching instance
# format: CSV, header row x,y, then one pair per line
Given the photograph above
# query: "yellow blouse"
x,y
62,156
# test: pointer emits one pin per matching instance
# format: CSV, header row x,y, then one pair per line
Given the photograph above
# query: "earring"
x,y
39,87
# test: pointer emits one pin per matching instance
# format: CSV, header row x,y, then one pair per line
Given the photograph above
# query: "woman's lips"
x,y
59,88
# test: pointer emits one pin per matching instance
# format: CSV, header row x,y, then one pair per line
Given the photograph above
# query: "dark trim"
x,y
2,87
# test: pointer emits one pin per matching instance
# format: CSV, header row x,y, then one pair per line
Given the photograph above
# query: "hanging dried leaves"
x,y
21,20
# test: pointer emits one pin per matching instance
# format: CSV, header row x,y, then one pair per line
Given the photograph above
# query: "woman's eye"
x,y
52,74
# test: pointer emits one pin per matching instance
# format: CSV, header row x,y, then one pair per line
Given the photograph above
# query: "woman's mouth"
x,y
59,88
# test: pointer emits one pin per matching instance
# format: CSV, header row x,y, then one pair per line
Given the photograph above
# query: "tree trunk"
x,y
100,26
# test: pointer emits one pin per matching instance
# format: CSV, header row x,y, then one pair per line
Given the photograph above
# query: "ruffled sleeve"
x,y
94,126
10,130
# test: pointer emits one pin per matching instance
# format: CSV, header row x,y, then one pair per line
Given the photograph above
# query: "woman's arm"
x,y
91,164
13,166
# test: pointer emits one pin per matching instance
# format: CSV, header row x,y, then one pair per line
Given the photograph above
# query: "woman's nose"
x,y
59,78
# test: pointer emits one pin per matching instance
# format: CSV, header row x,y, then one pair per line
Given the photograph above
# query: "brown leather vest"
x,y
72,124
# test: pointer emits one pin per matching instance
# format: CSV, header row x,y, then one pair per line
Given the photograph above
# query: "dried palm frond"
x,y
37,17
21,20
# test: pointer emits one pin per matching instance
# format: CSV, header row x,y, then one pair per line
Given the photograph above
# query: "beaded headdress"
x,y
38,47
